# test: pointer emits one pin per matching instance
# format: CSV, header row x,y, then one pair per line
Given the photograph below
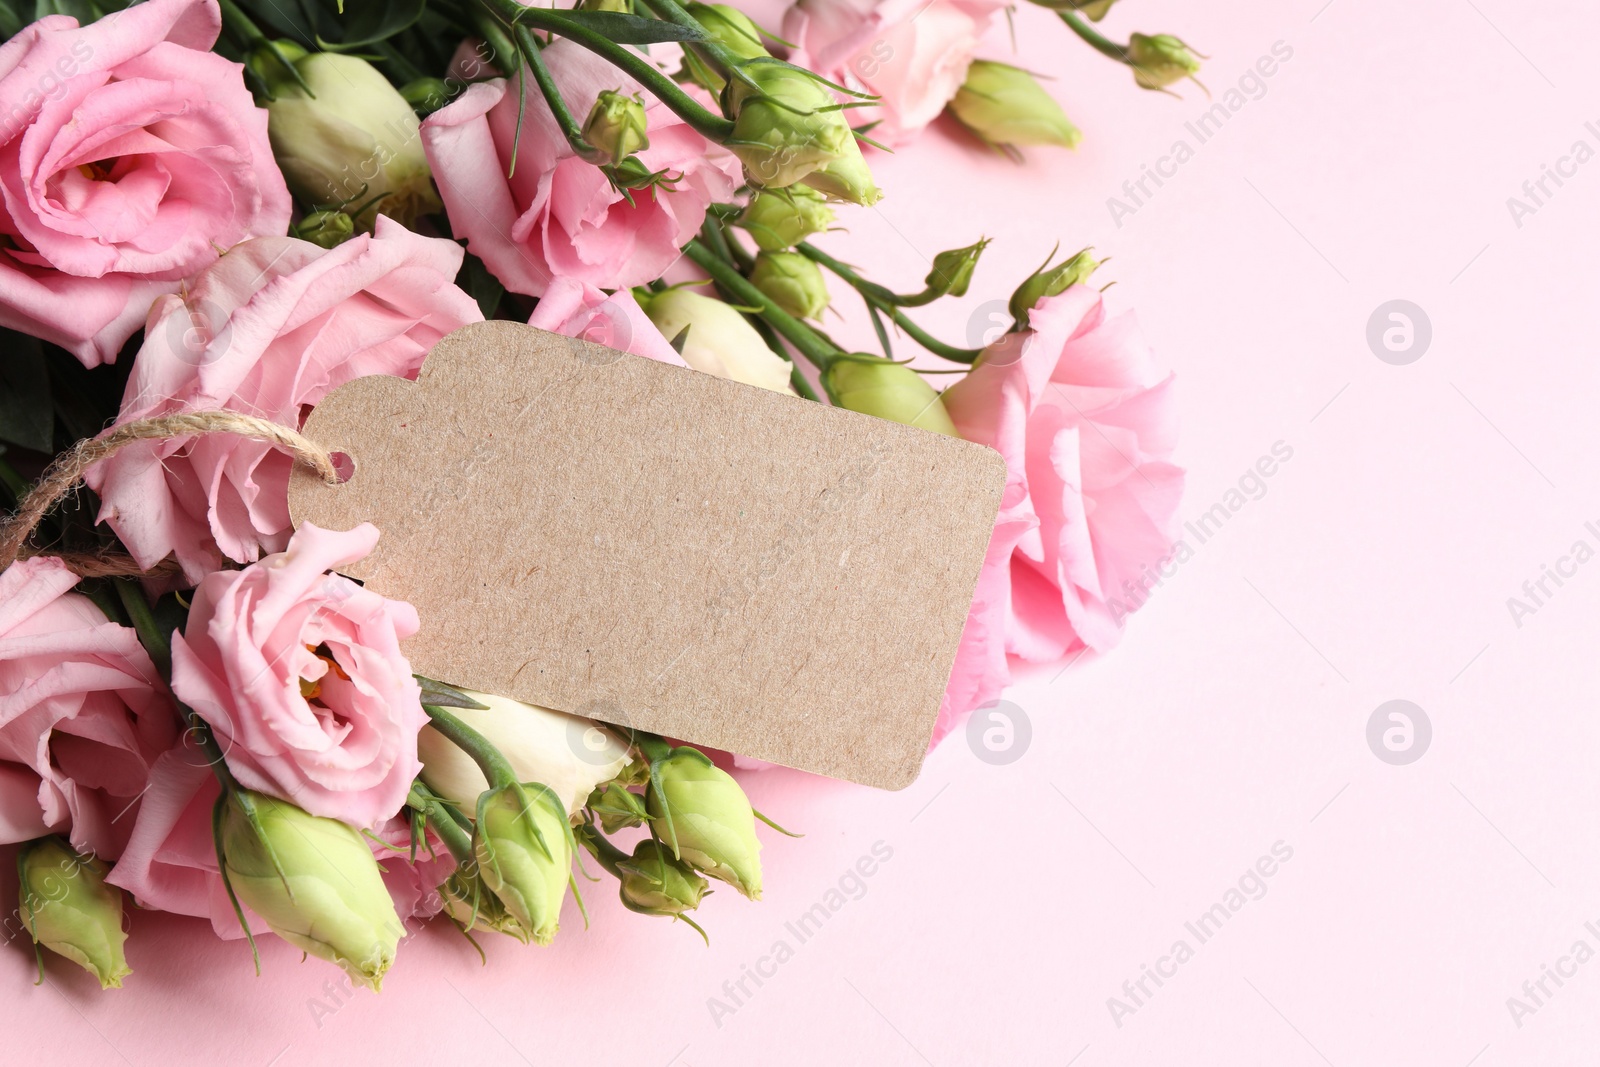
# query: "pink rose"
x,y
912,54
577,309
300,676
557,215
129,155
269,329
83,714
1086,421
170,863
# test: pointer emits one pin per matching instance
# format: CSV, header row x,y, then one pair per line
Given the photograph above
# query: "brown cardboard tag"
x,y
604,534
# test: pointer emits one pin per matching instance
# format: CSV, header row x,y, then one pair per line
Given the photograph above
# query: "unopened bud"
x,y
65,904
888,390
702,815
778,219
952,270
1050,281
730,27
791,281
616,125
313,880
326,228
1005,105
716,338
523,845
789,128
351,137
655,883
1160,59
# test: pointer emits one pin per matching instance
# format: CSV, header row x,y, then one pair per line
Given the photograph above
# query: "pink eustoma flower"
x,y
300,676
130,156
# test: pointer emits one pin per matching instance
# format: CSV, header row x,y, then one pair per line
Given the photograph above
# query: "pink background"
x,y
1377,565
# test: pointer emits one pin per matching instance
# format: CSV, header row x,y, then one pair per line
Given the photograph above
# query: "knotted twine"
x,y
67,469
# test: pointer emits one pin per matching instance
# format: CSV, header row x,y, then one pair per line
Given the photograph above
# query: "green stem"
x,y
871,293
156,643
496,768
607,854
804,339
1104,45
504,55
717,239
570,129
931,343
709,125
455,839
109,605
159,647
711,50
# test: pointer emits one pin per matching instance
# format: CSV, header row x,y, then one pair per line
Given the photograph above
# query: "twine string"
x,y
67,470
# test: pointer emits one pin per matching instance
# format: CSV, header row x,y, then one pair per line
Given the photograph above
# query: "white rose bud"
x,y
355,139
719,340
567,753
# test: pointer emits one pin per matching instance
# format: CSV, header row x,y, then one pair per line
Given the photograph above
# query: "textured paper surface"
x,y
652,546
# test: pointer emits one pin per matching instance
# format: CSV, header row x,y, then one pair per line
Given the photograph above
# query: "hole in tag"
x,y
344,465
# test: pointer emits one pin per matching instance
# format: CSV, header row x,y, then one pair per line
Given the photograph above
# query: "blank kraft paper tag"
x,y
609,535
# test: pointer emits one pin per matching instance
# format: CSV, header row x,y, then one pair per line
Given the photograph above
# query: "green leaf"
x,y
11,20
631,29
85,11
27,417
482,286
439,695
366,22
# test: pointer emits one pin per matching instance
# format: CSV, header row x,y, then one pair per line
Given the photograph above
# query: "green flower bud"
x,y
425,95
1005,105
731,27
718,339
1050,281
326,228
523,845
781,218
616,125
314,881
847,178
952,270
355,139
791,129
654,883
888,390
66,905
1159,60
792,282
617,807
702,815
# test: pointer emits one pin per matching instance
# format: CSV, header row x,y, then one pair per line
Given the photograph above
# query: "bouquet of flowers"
x,y
216,212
